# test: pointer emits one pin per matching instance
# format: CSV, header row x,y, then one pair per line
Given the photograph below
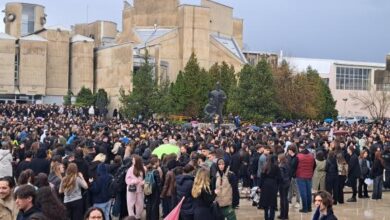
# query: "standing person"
x,y
99,189
319,172
152,196
55,176
353,172
40,164
293,162
304,173
284,185
377,175
203,196
223,189
8,209
270,179
184,184
5,162
71,186
365,170
332,176
50,205
135,193
323,203
25,201
94,213
342,169
168,193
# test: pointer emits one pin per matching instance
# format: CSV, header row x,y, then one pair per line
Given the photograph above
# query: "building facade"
x,y
348,80
40,64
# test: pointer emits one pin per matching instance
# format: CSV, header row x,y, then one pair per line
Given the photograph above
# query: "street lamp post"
x,y
345,106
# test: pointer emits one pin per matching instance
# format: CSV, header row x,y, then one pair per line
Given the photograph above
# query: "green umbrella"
x,y
166,149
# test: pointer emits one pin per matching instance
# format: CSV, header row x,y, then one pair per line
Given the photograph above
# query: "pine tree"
x,y
85,98
102,101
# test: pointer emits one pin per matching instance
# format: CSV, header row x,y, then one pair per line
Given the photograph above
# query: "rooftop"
x,y
33,37
4,36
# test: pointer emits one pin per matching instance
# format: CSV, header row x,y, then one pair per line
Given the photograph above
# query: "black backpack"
x,y
118,183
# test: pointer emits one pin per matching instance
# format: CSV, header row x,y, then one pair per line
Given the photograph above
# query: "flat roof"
x,y
23,3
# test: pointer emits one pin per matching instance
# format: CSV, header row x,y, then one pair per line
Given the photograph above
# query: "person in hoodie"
x,y
5,162
184,183
40,164
99,190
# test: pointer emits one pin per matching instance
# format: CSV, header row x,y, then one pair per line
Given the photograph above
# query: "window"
x,y
350,78
28,15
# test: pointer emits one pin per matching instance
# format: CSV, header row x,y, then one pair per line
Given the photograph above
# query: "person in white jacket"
x,y
5,162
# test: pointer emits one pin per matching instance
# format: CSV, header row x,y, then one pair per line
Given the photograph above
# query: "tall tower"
x,y
23,18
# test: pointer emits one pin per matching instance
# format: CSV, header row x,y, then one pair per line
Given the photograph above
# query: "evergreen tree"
x,y
190,91
68,98
102,101
140,100
254,98
85,97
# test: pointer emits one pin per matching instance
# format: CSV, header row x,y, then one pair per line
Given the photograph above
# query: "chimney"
x,y
388,62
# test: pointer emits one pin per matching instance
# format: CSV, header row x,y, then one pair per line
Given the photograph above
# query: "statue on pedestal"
x,y
213,109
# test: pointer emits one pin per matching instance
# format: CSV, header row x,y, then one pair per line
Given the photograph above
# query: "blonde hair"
x,y
69,181
202,181
55,167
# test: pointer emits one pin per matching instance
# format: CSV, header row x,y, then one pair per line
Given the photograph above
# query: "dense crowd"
x,y
60,162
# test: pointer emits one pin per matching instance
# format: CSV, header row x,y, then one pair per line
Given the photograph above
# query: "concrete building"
x,y
346,80
40,64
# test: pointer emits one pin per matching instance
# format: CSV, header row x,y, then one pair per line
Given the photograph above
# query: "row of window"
x,y
349,78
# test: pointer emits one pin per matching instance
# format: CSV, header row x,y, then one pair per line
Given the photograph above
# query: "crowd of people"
x,y
59,162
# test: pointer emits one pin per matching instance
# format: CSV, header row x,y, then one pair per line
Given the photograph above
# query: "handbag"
x,y
132,188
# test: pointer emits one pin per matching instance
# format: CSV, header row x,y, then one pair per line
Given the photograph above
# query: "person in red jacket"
x,y
304,175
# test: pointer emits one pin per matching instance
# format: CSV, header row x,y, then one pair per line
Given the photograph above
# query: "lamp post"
x,y
345,106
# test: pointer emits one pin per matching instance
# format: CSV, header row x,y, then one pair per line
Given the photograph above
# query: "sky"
x,y
355,30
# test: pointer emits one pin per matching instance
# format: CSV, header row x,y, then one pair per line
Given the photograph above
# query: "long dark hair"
x,y
270,164
49,204
138,166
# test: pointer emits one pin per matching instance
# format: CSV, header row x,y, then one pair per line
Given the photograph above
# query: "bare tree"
x,y
377,103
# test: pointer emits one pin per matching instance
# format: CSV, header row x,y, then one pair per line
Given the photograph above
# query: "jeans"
x,y
340,196
332,186
293,189
269,213
362,189
377,187
105,207
167,205
283,192
304,186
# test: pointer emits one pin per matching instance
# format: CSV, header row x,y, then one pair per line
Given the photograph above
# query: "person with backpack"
x,y
152,189
119,189
222,185
100,195
135,182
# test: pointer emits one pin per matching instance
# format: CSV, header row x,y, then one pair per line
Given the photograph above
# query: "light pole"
x,y
345,106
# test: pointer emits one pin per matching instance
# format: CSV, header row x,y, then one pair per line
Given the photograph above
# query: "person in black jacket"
x,y
386,160
269,182
152,201
332,177
99,190
203,196
353,172
284,185
40,164
184,184
377,175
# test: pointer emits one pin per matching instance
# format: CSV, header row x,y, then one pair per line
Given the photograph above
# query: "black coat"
x,y
40,165
202,205
354,167
269,185
183,188
329,216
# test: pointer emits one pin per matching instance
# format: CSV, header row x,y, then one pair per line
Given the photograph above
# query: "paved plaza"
x,y
361,210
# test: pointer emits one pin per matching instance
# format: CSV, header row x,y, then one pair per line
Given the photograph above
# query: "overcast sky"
x,y
335,29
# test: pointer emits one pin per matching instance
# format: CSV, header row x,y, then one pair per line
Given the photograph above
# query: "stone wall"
x,y
7,64
81,66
